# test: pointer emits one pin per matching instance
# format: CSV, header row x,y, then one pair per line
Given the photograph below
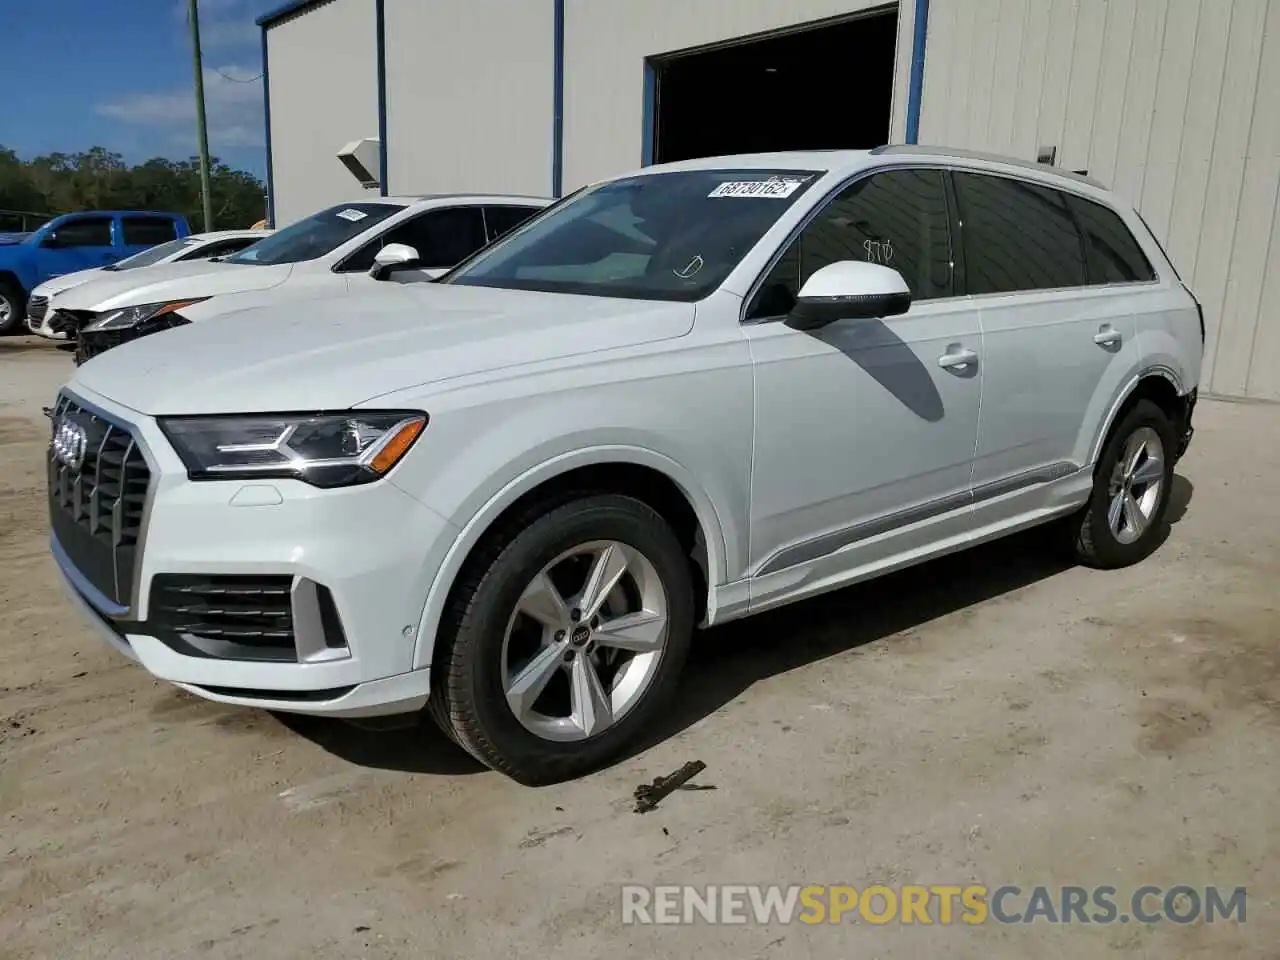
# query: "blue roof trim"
x,y
285,10
915,93
266,122
380,17
557,98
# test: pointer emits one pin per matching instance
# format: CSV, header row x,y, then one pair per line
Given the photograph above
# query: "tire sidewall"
x,y
1107,547
479,643
17,312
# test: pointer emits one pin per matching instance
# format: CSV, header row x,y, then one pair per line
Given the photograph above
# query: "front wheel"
x,y
1124,519
13,307
565,637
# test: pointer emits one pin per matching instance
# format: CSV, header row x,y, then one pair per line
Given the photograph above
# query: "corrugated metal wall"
x,y
1174,103
469,95
606,42
323,66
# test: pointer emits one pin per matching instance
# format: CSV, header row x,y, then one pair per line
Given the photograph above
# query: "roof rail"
x,y
911,149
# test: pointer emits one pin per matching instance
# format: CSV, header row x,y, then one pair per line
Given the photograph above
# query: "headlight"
x,y
322,449
127,317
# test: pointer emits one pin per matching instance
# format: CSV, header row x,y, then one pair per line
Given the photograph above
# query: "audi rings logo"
x,y
70,444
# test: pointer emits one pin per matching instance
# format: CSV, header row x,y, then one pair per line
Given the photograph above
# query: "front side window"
x,y
441,237
1017,236
897,219
316,235
219,248
148,231
1114,255
152,255
664,236
85,232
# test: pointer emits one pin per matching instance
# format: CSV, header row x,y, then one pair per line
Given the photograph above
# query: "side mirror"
x,y
51,240
393,257
849,290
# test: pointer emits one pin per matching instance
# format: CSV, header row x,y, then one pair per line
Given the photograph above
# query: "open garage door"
x,y
828,86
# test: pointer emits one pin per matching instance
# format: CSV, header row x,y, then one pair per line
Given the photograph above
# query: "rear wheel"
x,y
565,639
1124,519
13,307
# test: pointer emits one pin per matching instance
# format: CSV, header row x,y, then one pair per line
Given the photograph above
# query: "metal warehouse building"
x,y
1174,103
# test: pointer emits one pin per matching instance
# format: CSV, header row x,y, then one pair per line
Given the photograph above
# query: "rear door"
x,y
1054,339
142,232
80,244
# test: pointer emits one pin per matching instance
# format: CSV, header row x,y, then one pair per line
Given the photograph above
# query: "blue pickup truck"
x,y
75,241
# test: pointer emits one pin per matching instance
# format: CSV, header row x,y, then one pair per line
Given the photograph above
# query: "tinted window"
x,y
85,232
897,218
662,236
148,231
1114,255
502,220
316,235
219,248
1017,236
441,237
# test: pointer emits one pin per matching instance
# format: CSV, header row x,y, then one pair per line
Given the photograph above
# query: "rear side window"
x,y
148,231
85,232
502,220
1114,255
1017,236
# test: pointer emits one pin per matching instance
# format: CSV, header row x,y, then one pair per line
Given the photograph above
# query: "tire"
x,y
13,307
1097,542
488,643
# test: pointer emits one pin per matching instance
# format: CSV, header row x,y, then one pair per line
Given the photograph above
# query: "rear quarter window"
x,y
1114,254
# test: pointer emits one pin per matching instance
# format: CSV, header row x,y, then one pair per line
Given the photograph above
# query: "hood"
x,y
170,281
10,239
68,280
335,354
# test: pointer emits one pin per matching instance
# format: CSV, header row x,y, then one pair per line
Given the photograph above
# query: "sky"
x,y
118,74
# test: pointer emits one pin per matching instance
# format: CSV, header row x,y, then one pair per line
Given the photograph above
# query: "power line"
x,y
236,79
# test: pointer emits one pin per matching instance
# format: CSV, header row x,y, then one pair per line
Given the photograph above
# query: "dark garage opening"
x,y
823,87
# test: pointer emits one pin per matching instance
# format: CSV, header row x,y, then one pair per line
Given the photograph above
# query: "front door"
x,y
865,429
79,244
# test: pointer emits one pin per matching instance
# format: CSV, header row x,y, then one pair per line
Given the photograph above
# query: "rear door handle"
x,y
957,359
1107,336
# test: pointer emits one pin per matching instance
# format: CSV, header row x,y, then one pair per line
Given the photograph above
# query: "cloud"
x,y
233,109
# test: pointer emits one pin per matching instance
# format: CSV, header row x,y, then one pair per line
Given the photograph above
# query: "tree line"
x,y
100,180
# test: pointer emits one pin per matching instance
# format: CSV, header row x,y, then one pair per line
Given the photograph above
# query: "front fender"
x,y
18,263
470,533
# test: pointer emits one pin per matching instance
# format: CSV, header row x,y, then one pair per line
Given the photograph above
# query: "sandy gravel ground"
x,y
993,717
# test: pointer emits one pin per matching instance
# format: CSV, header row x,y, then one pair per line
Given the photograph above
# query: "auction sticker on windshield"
x,y
775,188
352,215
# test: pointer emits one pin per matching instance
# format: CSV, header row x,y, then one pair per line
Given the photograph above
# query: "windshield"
x,y
317,235
665,236
151,255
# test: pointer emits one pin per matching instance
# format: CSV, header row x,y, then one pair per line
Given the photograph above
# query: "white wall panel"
x,y
1173,103
470,95
324,94
606,42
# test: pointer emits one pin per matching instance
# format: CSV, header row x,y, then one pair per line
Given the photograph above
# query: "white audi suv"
x,y
677,397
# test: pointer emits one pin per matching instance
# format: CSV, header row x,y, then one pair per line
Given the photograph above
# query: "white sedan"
x,y
197,246
343,249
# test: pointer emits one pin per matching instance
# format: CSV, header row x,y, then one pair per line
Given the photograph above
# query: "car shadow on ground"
x,y
726,661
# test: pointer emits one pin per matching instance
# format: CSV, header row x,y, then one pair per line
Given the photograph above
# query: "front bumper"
x,y
355,566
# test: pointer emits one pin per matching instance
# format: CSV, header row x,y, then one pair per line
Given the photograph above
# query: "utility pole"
x,y
193,15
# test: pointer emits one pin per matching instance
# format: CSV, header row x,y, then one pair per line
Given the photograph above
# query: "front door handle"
x,y
1107,336
957,359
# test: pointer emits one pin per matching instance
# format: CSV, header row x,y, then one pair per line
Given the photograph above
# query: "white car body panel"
x,y
811,459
